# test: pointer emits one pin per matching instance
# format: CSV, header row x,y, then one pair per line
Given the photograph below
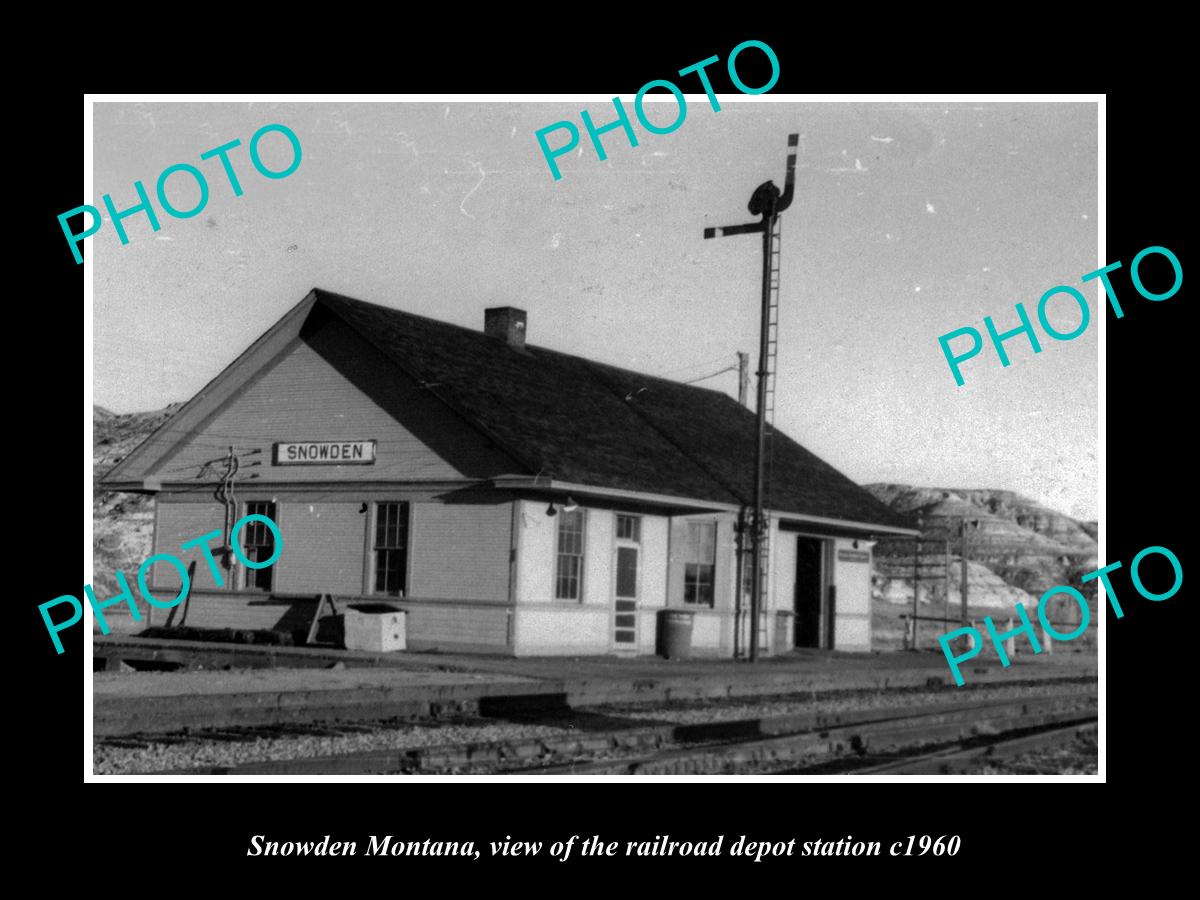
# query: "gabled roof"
x,y
564,418
574,420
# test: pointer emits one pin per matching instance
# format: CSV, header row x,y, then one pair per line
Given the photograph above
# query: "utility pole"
x,y
916,578
946,572
739,577
766,201
224,493
963,554
743,378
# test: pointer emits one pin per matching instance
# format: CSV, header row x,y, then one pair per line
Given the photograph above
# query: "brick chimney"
x,y
506,323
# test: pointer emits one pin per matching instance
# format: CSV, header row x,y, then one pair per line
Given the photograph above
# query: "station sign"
x,y
323,453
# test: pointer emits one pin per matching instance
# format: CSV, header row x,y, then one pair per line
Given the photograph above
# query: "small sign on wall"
x,y
854,556
325,453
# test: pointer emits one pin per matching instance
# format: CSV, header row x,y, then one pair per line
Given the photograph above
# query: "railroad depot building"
x,y
511,499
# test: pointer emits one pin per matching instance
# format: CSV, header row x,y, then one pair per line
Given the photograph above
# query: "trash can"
x,y
675,633
374,627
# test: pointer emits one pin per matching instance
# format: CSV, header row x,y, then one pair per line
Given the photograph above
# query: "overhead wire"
x,y
713,375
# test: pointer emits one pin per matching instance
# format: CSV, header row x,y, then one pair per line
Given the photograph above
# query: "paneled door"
x,y
625,601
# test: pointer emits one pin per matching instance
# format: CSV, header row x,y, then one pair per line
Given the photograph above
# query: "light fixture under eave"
x,y
550,510
570,505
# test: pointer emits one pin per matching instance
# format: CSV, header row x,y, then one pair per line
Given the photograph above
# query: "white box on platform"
x,y
374,627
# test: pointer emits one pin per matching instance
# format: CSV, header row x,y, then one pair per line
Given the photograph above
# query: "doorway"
x,y
625,599
625,606
809,584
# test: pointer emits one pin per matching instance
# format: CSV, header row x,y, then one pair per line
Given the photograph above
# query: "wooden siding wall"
x,y
784,569
538,560
176,524
547,629
546,625
429,626
458,594
448,626
323,547
303,396
536,554
598,563
461,551
323,543
852,617
725,573
654,562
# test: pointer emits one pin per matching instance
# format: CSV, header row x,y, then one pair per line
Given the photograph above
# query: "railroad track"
x,y
904,734
964,756
777,744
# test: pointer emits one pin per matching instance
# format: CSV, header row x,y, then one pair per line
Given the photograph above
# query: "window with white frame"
x,y
258,544
629,528
391,548
568,570
700,563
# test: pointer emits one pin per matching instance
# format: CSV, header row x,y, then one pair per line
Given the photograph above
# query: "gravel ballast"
x,y
693,714
111,759
153,754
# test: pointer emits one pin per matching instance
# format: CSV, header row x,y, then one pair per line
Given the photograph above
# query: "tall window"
x,y
700,558
568,580
391,548
259,544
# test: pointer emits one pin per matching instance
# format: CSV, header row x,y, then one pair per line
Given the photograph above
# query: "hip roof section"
x,y
575,420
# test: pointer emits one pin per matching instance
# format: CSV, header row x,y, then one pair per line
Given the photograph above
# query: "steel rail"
x,y
670,744
953,760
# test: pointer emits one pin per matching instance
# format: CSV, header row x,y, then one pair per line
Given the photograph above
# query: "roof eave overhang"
x,y
527,482
140,486
541,483
849,525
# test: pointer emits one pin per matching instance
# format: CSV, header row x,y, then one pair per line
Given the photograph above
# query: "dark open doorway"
x,y
809,552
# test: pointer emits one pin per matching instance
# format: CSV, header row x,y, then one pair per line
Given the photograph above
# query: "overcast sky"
x,y
910,220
